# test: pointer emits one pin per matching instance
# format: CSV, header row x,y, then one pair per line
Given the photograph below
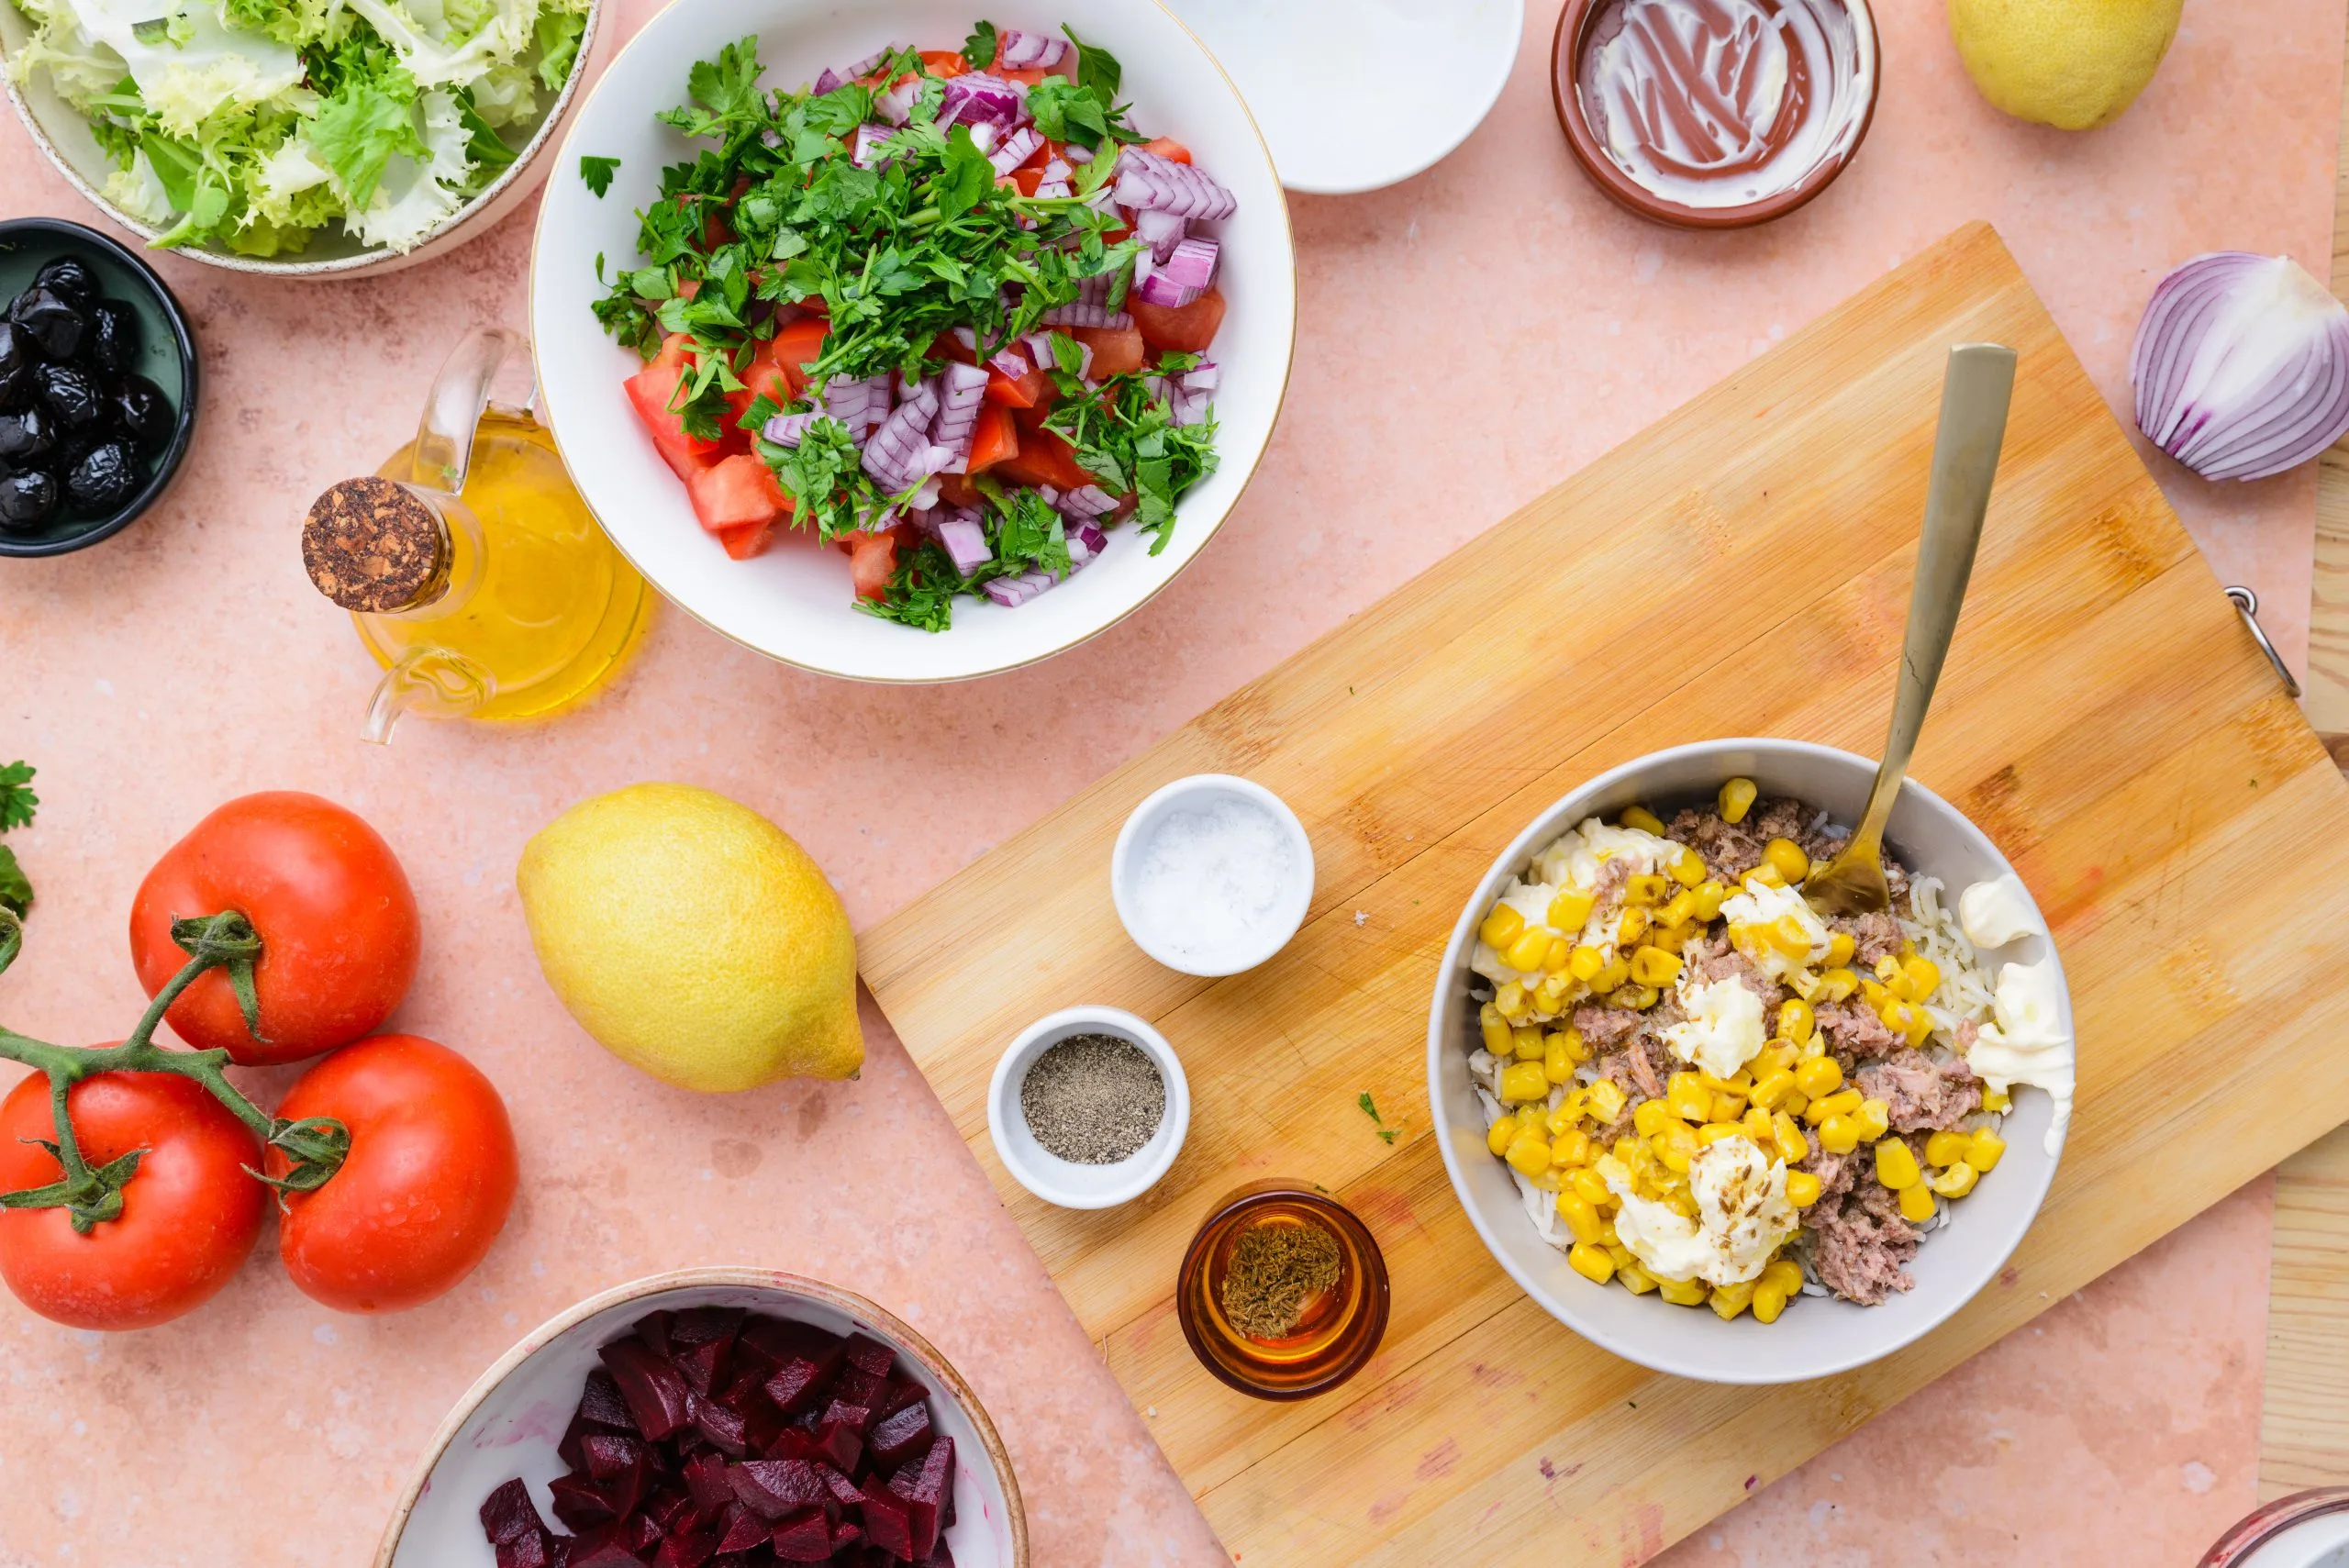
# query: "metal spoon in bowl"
x,y
1974,394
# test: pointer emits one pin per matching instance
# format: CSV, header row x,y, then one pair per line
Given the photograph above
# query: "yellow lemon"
x,y
2075,65
694,939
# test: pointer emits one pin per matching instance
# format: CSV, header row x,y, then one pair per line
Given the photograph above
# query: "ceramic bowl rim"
x,y
1129,835
167,466
900,1333
1145,1173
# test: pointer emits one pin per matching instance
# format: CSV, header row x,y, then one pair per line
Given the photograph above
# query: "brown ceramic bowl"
x,y
509,1422
1576,24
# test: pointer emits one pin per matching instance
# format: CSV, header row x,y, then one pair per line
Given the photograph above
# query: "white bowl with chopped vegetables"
x,y
293,140
907,347
1715,1133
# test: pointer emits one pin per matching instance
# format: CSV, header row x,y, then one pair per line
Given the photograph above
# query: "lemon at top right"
x,y
2074,64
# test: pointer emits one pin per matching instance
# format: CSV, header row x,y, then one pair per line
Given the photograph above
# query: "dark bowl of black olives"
x,y
98,386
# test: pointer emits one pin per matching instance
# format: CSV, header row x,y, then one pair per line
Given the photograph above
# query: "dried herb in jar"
x,y
1276,1270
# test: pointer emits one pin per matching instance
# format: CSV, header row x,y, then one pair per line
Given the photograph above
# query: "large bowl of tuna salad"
x,y
1720,1134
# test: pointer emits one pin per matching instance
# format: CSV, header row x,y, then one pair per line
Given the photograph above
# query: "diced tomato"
x,y
1044,458
738,491
779,367
651,390
996,441
1117,351
1032,417
872,561
956,490
1017,392
1026,179
1166,146
1045,151
945,62
1184,328
747,540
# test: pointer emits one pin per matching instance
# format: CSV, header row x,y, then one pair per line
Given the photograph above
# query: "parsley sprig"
x,y
18,804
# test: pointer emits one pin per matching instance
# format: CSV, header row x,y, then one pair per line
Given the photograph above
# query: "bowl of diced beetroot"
x,y
715,1419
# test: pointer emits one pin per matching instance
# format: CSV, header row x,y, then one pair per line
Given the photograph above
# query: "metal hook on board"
x,y
2248,602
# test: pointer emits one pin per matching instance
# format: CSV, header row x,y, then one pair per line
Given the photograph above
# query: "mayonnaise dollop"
x,y
1571,863
1996,912
1724,1030
2028,1043
1741,1198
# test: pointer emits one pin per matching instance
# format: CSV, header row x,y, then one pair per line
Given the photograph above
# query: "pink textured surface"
x,y
1468,339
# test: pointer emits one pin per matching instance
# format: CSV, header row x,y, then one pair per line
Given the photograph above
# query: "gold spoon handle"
x,y
1974,394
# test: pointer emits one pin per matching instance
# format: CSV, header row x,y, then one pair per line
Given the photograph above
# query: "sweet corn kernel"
x,y
1895,1165
1787,858
1605,1100
1797,1103
1591,1185
1651,1116
1916,1204
1498,1136
1585,963
1635,1279
1778,1056
1771,1090
1844,1102
1681,1291
1639,817
1554,960
1784,1272
1654,966
1793,1147
1736,799
1946,1147
1570,1147
1529,1152
1525,1043
1639,998
1688,1097
1611,978
1550,995
1820,1076
1738,1083
1840,949
1728,1107
1646,889
1987,1149
1546,1180
1839,1134
1501,928
1688,868
1576,1213
1570,910
1956,1182
1514,1004
1875,994
1802,1188
1558,1061
1591,1262
1769,1301
1924,977
1710,896
1875,1119
1713,1132
1630,927
1729,1300
1758,1127
1921,1025
1671,938
1678,910
1566,1114
1894,979
1997,1100
1607,1236
1766,875
1528,951
1676,1146
1837,984
1493,1028
1796,1021
1522,1082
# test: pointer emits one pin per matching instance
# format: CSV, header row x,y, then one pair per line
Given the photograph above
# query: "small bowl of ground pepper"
x,y
1283,1294
1089,1107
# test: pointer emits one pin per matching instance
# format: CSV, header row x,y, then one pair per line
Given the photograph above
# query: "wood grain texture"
x,y
1741,568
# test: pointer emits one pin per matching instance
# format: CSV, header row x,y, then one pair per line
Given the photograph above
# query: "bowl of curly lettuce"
x,y
904,343
1720,1134
295,139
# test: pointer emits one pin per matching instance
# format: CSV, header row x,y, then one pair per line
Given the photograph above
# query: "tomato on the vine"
x,y
425,1190
336,920
189,1215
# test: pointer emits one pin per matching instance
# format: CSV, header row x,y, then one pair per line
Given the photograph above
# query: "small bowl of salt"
x,y
1089,1107
1212,874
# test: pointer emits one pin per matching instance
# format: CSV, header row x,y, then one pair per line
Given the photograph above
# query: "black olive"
x,y
103,479
28,435
71,394
68,276
15,364
50,319
26,499
112,341
143,413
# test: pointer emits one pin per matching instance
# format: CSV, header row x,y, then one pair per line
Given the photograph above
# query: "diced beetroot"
x,y
804,1536
608,1454
568,1451
744,1530
801,1381
705,1325
625,1490
839,1445
855,1385
939,1557
580,1504
793,1443
763,1427
702,1344
508,1515
902,1393
654,1330
904,1436
845,1492
602,1548
924,1487
705,1479
773,1487
640,1535
770,1342
536,1550
722,1427
601,1403
845,1534
684,1551
856,1417
885,1522
656,1393
869,1355
671,1508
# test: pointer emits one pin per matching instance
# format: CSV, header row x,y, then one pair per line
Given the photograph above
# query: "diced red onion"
x,y
965,543
1011,363
1160,288
826,82
1205,376
983,135
1056,169
1162,229
980,97
961,390
1079,552
1089,501
1016,149
1095,539
785,429
1094,290
901,446
1147,182
860,405
864,151
1077,154
864,67
1013,592
1024,51
2241,366
896,105
1082,315
967,338
1053,190
1192,263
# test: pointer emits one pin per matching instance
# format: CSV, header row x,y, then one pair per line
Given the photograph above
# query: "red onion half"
x,y
2241,366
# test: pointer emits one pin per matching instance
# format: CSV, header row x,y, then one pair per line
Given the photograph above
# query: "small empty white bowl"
x,y
1065,1182
1200,793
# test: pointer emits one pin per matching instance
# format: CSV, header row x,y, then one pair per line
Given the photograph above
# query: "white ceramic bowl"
x,y
1356,97
1818,1336
64,137
1064,1182
1197,793
793,603
509,1422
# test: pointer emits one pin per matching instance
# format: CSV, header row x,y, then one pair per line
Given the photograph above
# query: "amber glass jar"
x,y
1336,1329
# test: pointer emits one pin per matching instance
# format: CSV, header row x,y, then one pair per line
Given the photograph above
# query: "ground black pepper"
x,y
1093,1099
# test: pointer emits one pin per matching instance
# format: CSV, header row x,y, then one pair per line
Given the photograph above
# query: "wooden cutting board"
x,y
1743,568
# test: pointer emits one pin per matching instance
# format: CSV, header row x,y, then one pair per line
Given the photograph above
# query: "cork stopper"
x,y
370,546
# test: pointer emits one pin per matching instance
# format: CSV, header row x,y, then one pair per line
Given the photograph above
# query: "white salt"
x,y
1210,882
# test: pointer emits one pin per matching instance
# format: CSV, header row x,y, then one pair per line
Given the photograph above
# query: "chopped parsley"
x,y
18,804
599,173
775,212
1370,1109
